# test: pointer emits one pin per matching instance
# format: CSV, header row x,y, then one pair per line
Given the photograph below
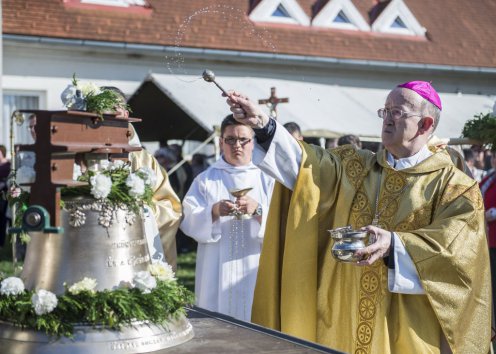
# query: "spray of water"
x,y
176,61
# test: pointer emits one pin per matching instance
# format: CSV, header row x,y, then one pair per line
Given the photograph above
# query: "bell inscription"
x,y
108,254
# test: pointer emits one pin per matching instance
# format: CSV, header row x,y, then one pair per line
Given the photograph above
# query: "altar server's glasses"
x,y
232,141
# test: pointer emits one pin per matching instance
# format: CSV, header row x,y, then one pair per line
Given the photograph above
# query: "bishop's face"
x,y
401,126
237,144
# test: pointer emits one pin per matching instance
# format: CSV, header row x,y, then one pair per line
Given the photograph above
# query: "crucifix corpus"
x,y
273,101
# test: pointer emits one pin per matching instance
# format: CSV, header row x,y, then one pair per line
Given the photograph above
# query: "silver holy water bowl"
x,y
346,242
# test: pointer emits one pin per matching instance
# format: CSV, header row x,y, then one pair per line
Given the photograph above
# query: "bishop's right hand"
x,y
246,111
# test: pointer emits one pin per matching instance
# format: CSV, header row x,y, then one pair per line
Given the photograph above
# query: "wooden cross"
x,y
272,102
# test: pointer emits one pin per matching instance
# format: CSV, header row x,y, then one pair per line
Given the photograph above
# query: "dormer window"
x,y
279,11
340,14
396,18
341,18
398,23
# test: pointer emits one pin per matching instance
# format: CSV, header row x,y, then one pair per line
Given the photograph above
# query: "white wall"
x,y
47,69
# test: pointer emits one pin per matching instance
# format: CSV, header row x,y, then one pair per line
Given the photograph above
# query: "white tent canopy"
x,y
314,106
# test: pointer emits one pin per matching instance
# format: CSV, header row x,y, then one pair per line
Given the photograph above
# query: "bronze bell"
x,y
110,255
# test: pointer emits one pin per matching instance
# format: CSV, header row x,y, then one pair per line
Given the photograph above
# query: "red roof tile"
x,y
460,32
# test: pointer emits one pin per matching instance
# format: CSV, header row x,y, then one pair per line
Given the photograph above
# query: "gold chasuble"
x,y
437,212
167,207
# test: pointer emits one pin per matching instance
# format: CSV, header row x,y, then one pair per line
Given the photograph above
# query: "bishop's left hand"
x,y
378,249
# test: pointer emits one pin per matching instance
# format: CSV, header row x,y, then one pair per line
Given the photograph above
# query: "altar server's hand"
x,y
246,204
377,250
246,111
224,207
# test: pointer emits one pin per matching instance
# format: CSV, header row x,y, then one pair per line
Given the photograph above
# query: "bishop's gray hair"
x,y
429,109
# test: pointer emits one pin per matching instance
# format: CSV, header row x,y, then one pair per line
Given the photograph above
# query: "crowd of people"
x,y
260,216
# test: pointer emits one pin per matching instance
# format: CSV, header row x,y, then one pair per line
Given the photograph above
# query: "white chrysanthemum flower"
x,y
25,174
100,186
144,281
162,271
87,284
104,164
44,302
89,88
136,185
150,175
12,286
116,164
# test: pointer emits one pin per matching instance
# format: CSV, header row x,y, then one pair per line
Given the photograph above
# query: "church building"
x,y
333,61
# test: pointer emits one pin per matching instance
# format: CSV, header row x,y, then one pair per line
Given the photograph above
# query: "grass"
x,y
186,269
6,265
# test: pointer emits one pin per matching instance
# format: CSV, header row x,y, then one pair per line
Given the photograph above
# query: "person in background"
x,y
4,174
294,129
331,143
350,139
167,159
32,125
479,153
488,161
488,190
469,157
186,170
229,230
199,163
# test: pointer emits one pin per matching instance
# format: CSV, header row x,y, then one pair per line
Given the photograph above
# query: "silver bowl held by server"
x,y
346,242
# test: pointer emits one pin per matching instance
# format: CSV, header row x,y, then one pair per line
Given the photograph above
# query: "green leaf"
x,y
110,309
483,129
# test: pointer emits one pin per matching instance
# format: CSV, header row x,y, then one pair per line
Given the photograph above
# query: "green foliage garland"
x,y
102,101
482,128
110,309
21,201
